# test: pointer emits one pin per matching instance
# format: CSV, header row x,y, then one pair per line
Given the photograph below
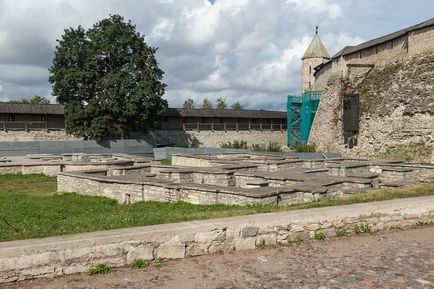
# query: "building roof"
x,y
25,108
21,108
371,43
224,113
316,49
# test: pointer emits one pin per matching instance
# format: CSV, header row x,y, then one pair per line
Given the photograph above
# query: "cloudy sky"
x,y
241,50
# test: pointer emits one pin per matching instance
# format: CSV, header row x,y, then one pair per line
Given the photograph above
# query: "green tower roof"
x,y
316,49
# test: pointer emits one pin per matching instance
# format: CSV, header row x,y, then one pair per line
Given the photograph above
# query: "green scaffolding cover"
x,y
300,114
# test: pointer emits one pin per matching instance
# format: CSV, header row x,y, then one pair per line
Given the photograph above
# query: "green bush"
x,y
274,147
139,264
319,235
342,233
100,269
235,145
362,229
305,148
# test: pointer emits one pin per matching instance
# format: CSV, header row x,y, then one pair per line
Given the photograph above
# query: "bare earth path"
x,y
403,259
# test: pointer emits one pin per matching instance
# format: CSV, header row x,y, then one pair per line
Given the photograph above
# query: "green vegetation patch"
x,y
31,208
420,151
100,269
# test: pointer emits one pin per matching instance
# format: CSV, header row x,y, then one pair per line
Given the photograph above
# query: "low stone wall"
x,y
56,256
211,139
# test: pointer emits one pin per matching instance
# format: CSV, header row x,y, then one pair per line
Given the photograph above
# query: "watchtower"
x,y
315,55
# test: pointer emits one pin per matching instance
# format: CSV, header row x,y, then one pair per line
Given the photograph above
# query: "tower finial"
x,y
316,30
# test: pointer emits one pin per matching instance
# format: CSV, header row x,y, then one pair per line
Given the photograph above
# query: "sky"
x,y
241,50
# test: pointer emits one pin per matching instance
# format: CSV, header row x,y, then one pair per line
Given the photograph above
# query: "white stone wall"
x,y
57,256
212,139
35,135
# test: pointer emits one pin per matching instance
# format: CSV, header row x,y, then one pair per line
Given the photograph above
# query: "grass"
x,y
319,236
362,229
100,269
31,208
166,162
139,264
342,233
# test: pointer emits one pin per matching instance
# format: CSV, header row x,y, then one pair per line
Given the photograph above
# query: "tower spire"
x,y
316,30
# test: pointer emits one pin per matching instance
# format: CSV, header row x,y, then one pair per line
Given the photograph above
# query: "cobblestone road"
x,y
402,259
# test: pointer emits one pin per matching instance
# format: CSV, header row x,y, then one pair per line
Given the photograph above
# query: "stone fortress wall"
x,y
396,96
395,49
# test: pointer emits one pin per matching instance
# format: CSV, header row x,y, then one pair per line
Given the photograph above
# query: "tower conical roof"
x,y
316,49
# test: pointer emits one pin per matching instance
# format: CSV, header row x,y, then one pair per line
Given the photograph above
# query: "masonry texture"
x,y
396,110
49,257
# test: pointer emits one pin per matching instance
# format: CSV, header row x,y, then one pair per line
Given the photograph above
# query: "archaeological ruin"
x,y
235,179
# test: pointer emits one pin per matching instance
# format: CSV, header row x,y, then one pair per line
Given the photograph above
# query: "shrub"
x,y
139,264
293,241
274,147
235,145
261,245
305,148
342,233
362,229
319,235
100,269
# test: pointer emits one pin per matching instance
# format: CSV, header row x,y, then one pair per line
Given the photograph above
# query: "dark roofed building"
x,y
20,116
16,116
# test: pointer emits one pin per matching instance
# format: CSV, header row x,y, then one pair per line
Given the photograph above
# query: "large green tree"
x,y
108,79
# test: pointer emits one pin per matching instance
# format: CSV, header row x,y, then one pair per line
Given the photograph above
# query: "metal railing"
x,y
233,126
27,125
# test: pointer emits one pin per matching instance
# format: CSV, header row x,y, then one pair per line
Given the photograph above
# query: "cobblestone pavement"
x,y
400,259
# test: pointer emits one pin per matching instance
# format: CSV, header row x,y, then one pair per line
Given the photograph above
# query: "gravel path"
x,y
401,259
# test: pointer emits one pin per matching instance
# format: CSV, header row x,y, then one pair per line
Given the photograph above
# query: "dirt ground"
x,y
400,259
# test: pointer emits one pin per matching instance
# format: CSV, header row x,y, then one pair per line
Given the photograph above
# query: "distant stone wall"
x,y
191,138
35,135
208,138
57,256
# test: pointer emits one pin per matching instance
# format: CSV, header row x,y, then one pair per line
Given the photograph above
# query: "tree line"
x,y
207,104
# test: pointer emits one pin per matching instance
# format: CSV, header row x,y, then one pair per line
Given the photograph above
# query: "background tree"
x,y
221,103
207,104
36,99
236,106
189,103
108,79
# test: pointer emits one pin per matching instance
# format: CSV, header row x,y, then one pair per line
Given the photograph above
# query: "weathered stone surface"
x,y
245,244
247,232
144,252
171,251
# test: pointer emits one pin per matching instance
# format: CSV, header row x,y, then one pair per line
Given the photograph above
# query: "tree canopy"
x,y
189,103
108,79
207,104
237,106
221,103
36,99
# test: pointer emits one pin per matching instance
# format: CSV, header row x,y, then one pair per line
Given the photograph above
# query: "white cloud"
x,y
245,50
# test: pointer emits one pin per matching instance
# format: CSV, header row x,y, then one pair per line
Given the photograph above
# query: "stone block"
x,y
208,237
247,232
245,244
171,251
197,249
144,252
268,239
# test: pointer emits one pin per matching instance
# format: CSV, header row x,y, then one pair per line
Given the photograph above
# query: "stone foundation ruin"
x,y
240,179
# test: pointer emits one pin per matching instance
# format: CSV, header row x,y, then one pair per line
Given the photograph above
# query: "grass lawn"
x,y
31,208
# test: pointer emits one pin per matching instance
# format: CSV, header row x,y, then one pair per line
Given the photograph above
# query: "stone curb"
x,y
54,256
